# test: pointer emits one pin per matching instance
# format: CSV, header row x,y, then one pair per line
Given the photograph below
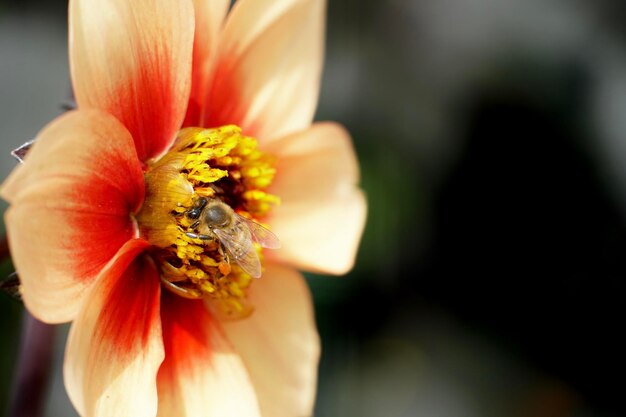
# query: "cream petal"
x,y
201,376
115,345
210,16
268,70
70,209
133,60
279,343
322,212
81,145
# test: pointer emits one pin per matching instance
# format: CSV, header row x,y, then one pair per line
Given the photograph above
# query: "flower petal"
x,y
115,345
322,212
279,343
201,374
70,209
210,16
267,74
133,59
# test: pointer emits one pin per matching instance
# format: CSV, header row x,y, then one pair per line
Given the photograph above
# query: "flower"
x,y
184,105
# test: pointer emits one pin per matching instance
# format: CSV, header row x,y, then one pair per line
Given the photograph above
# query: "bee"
x,y
216,220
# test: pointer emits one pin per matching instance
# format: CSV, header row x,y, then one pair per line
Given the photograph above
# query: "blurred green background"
x,y
491,135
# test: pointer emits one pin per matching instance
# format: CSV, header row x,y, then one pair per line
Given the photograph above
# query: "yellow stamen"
x,y
219,164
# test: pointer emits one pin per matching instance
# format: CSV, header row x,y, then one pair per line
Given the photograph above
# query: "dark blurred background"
x,y
491,280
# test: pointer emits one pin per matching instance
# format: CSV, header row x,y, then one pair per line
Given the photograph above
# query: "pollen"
x,y
204,165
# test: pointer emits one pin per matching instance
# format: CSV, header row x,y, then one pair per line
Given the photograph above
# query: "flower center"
x,y
200,200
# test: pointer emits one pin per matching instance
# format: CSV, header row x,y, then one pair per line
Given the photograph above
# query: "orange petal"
x,y
201,374
210,16
133,59
279,343
115,345
267,74
70,209
322,212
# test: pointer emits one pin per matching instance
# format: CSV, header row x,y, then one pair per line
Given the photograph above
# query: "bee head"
x,y
217,215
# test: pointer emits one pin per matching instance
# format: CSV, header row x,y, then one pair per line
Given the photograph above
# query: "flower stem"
x,y
33,368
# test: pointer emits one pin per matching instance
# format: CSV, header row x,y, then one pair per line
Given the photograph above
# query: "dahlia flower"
x,y
142,216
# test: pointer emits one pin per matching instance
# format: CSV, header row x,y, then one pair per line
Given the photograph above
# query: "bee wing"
x,y
261,234
250,263
238,243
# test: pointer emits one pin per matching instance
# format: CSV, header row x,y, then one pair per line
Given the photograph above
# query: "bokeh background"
x,y
491,280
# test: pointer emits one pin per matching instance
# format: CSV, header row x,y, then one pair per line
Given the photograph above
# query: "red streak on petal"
x,y
131,305
192,118
150,111
198,83
114,179
187,328
98,207
101,223
223,104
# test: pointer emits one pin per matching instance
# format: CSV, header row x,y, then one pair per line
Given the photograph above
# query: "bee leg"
x,y
198,236
224,255
194,224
